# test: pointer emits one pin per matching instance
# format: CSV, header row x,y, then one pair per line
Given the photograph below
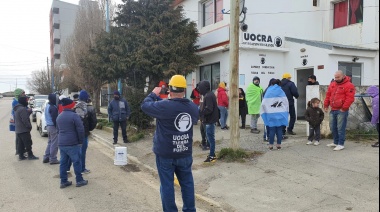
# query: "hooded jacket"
x,y
51,110
340,95
373,91
22,120
70,128
222,97
118,110
17,93
209,111
290,90
175,119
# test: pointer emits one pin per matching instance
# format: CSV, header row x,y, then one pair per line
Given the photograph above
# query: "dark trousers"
x,y
203,134
292,120
243,116
123,125
314,133
24,143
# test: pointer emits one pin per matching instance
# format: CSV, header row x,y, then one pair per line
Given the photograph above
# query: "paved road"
x,y
34,186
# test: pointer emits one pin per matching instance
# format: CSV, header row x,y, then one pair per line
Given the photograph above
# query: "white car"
x,y
40,120
37,107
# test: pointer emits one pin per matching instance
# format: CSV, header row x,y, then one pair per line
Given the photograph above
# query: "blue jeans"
x,y
266,132
83,153
223,116
275,131
70,153
182,169
338,123
210,134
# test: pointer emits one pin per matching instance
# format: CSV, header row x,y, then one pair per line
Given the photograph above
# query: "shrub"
x,y
230,155
138,118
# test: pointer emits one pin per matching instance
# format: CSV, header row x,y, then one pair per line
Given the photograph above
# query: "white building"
x,y
302,37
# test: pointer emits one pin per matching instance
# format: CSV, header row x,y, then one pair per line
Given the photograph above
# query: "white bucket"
x,y
120,156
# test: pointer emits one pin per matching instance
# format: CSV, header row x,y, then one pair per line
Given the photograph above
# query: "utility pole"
x,y
108,30
234,75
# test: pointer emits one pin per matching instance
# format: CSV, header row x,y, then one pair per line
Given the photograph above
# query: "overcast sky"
x,y
24,40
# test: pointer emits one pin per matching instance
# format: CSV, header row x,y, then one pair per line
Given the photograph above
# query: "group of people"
x,y
68,124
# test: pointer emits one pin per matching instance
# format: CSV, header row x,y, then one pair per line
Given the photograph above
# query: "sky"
x,y
24,40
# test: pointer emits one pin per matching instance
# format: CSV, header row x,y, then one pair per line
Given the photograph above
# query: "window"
x,y
348,12
353,70
212,12
315,3
212,74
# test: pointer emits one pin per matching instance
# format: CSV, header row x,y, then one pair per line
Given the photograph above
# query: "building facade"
x,y
62,23
302,37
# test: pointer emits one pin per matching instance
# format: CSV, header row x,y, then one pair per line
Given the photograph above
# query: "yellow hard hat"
x,y
178,81
286,76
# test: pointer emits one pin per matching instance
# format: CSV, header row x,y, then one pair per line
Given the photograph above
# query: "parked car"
x,y
31,103
1,96
37,107
40,120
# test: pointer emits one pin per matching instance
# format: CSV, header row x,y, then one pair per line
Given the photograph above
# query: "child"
x,y
314,115
243,108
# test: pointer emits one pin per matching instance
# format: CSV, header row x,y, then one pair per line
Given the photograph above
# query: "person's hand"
x,y
157,91
326,109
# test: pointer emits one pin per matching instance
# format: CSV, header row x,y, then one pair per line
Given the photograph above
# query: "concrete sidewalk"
x,y
297,178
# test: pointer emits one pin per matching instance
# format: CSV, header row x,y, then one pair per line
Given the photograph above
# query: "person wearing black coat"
x,y
243,107
291,92
314,115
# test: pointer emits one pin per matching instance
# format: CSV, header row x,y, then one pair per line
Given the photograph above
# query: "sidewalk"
x,y
297,178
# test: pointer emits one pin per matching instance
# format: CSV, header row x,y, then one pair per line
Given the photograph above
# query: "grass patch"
x,y
358,135
104,123
230,155
136,137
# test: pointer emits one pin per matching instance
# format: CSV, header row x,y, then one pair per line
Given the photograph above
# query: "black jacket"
x,y
290,90
314,116
209,112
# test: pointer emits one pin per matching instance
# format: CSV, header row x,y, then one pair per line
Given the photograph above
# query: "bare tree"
x,y
40,82
90,22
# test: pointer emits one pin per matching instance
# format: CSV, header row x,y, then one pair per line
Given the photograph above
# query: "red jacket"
x,y
222,97
341,95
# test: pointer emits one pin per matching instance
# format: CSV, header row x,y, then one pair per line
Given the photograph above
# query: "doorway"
x,y
302,77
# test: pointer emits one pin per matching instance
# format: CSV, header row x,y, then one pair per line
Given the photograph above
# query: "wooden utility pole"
x,y
234,75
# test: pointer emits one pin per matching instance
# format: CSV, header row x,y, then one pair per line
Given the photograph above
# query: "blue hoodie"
x,y
175,118
51,110
70,128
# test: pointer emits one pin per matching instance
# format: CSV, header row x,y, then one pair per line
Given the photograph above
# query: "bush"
x,y
230,155
138,118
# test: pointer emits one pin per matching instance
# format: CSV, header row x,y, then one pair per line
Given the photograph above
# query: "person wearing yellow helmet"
x,y
173,141
291,92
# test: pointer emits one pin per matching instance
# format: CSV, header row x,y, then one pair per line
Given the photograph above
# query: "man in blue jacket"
x,y
51,114
291,92
70,137
173,142
119,112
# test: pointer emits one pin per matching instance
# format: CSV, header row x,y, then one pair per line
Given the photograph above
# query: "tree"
x,y
41,83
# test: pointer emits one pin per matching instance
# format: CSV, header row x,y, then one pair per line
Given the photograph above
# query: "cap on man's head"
x,y
67,103
313,77
286,76
116,93
76,96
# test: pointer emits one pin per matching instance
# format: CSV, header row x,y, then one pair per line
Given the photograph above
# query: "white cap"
x,y
62,97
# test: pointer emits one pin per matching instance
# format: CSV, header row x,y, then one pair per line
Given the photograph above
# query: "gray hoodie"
x,y
22,120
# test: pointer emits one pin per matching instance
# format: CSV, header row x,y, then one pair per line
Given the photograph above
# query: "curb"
x,y
154,171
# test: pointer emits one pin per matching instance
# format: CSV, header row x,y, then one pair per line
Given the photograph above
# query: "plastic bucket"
x,y
120,156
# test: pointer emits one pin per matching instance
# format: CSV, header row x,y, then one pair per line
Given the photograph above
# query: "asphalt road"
x,y
34,186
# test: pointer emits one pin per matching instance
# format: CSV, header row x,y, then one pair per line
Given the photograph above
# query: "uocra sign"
x,y
262,40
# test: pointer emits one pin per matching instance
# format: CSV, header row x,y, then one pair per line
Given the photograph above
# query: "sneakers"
x,y
210,159
316,143
46,160
338,148
255,131
21,158
292,133
32,157
54,162
82,183
126,141
331,145
66,184
309,143
375,145
86,171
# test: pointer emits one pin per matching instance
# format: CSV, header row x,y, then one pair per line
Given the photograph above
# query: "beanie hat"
x,y
256,78
83,95
222,85
18,92
23,100
75,96
67,103
116,93
286,76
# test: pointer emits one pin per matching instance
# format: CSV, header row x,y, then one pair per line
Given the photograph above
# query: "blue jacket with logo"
x,y
174,120
118,110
